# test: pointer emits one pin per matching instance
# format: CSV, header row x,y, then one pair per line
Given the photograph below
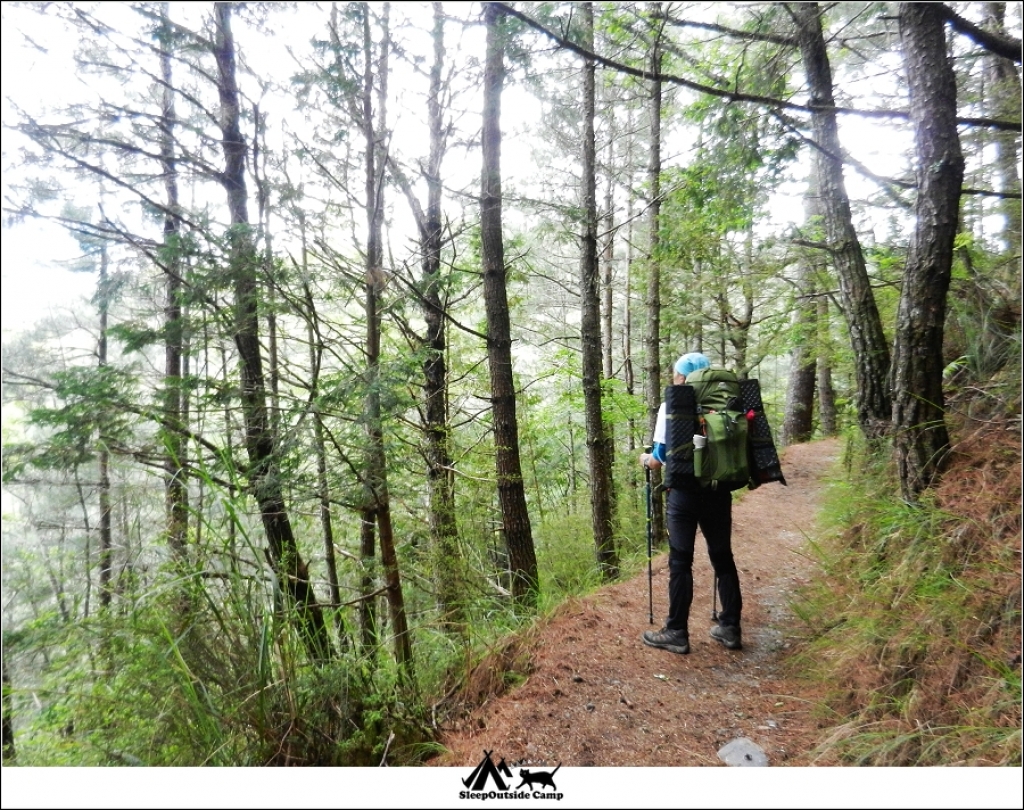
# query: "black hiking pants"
x,y
711,511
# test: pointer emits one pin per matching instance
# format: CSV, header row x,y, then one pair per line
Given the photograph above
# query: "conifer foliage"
x,y
382,300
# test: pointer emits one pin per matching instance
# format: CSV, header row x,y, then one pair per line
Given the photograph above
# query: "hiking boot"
x,y
727,635
677,641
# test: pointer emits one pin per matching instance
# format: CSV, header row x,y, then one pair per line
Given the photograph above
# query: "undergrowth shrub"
x,y
914,627
228,683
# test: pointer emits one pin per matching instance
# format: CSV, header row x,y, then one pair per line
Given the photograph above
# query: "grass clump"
x,y
913,631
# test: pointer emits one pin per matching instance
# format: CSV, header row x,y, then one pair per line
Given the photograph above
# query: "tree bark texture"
x,y
828,420
440,478
608,308
598,446
798,422
7,745
608,265
652,343
922,440
511,490
738,313
175,482
1004,90
106,559
367,606
378,504
867,337
264,472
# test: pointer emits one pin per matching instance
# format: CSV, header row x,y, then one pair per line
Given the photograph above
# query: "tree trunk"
x,y
229,429
798,423
922,441
175,481
608,263
828,421
628,372
259,170
261,446
1004,91
106,559
867,337
447,566
7,746
511,490
590,329
322,487
608,329
737,322
368,577
367,606
324,499
378,497
652,343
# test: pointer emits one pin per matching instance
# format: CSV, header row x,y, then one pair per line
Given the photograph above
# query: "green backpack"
x,y
723,463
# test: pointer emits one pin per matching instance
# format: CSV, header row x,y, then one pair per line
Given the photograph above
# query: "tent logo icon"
x,y
490,781
487,770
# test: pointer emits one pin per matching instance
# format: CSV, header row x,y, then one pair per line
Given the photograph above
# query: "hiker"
x,y
690,506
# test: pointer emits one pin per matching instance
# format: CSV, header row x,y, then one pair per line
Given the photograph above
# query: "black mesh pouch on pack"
x,y
765,466
680,424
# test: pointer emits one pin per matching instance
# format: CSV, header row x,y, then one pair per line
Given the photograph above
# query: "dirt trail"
x,y
596,696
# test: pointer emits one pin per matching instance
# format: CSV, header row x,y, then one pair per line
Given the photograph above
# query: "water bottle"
x,y
699,443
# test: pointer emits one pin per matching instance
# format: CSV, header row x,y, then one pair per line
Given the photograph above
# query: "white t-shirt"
x,y
660,426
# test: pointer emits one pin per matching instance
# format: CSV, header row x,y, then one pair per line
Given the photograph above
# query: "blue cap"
x,y
689,363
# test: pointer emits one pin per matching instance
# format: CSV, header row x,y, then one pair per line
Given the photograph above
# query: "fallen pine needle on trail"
x,y
595,695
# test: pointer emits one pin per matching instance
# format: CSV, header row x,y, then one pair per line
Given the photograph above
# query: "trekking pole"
x,y
650,543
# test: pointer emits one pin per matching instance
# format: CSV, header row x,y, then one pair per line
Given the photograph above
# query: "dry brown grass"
x,y
922,620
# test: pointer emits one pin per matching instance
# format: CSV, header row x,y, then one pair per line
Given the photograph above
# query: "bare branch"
x,y
999,44
775,103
